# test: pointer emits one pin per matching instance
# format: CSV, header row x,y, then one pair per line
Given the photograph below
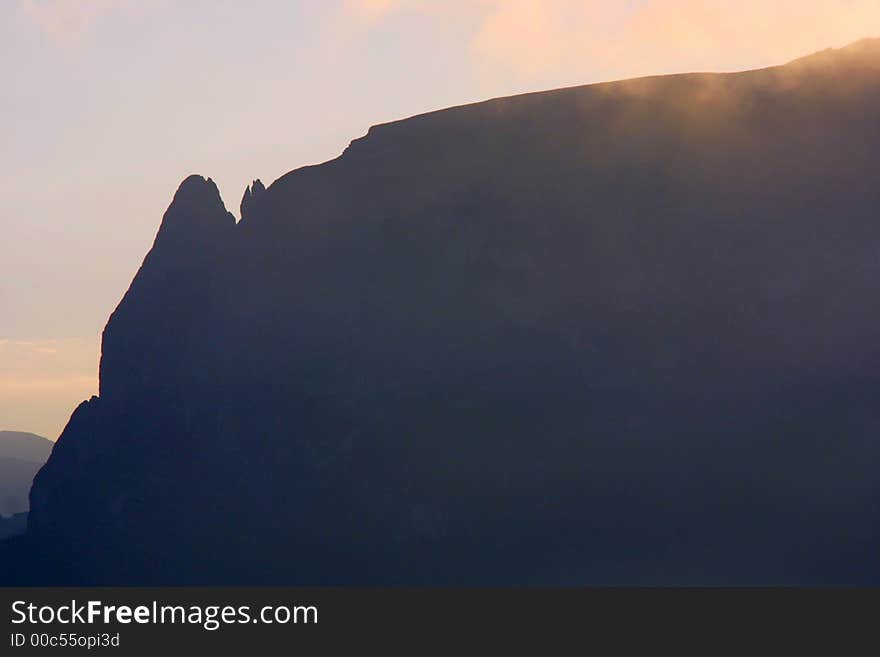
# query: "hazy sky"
x,y
108,104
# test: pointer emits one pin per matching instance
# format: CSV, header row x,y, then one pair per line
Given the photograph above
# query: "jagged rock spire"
x,y
251,194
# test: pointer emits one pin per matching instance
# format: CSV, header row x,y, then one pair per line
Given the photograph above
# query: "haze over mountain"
x,y
21,456
622,333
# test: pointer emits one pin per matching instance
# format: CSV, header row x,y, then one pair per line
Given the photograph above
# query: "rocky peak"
x,y
174,281
251,194
196,211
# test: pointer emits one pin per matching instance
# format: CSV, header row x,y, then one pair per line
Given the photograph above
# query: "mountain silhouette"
x,y
21,456
622,333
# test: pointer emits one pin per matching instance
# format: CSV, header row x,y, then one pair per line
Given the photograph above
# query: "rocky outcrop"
x,y
157,319
251,194
621,333
125,450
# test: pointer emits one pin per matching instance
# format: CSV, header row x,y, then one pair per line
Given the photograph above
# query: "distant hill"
x,y
21,456
14,525
624,333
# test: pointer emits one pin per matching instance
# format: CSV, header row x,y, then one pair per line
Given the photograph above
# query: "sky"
x,y
108,104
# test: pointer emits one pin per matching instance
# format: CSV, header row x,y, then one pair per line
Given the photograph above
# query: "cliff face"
x,y
621,333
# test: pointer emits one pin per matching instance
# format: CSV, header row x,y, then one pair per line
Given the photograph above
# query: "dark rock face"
x,y
158,319
622,333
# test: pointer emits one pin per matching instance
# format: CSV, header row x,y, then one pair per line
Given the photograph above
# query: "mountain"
x,y
14,525
23,446
622,333
21,456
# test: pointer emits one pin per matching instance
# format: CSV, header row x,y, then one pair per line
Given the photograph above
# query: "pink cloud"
x,y
533,37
